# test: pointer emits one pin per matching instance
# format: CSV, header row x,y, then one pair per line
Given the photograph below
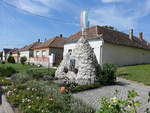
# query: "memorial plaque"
x,y
72,63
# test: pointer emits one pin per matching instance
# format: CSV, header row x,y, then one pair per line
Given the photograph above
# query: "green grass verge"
x,y
139,73
19,67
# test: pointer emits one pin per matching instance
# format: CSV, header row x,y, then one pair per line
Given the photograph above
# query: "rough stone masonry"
x,y
79,65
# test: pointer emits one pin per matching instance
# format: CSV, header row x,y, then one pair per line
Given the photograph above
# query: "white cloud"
x,y
112,16
31,7
110,1
115,1
37,6
146,7
121,16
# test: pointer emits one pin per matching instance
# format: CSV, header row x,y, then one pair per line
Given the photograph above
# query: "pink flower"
x,y
62,89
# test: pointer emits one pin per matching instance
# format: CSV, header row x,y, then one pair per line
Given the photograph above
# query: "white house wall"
x,y
122,55
26,54
40,59
95,44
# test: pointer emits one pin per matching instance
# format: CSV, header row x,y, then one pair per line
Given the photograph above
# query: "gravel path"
x,y
92,97
1,109
5,107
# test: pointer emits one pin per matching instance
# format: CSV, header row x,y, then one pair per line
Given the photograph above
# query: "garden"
x,y
28,86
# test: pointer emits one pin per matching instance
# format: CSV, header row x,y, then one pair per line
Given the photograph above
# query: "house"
x,y
16,54
27,51
1,55
50,52
5,54
112,46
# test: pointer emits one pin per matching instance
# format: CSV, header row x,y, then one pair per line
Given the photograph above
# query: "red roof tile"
x,y
57,42
31,46
111,36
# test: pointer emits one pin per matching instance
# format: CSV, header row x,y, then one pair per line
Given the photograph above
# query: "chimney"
x,y
141,36
61,35
131,34
38,40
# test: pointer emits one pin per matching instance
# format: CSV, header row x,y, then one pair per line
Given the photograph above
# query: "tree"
x,y
23,59
108,26
11,60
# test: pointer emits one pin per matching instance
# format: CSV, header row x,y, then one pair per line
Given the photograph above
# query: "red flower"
x,y
62,89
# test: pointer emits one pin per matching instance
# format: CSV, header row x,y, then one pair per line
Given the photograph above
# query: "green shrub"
x,y
79,88
3,62
7,71
5,82
23,59
20,78
106,74
11,60
38,73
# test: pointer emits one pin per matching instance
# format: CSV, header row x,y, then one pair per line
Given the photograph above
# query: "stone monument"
x,y
79,66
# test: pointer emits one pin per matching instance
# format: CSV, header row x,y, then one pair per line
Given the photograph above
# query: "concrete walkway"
x,y
92,97
5,107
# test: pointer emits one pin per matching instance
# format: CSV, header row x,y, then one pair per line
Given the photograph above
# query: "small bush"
x,y
3,62
41,73
5,82
20,78
79,88
106,74
11,60
23,60
7,71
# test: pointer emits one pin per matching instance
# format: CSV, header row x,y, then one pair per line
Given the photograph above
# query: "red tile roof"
x,y
30,47
57,42
111,36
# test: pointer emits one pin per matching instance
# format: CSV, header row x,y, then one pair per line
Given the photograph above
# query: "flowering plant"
x,y
42,97
119,105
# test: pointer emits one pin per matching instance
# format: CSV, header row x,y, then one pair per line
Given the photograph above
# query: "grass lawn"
x,y
139,73
19,67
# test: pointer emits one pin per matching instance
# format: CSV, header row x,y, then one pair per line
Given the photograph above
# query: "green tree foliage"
x,y
11,60
23,60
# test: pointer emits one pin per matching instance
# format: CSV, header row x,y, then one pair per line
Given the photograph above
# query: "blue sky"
x,y
19,28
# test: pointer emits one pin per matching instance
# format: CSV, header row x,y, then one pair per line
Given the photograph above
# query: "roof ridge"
x,y
115,30
53,39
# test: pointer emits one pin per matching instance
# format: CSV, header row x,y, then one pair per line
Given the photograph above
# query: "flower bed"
x,y
40,97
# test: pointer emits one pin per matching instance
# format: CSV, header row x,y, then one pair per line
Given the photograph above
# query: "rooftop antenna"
x,y
84,22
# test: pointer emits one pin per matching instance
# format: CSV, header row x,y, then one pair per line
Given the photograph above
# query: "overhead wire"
x,y
38,15
19,22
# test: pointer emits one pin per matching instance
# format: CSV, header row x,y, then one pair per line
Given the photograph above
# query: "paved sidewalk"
x,y
1,109
5,107
92,97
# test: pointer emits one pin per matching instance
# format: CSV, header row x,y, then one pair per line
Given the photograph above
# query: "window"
x,y
70,51
37,53
43,53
